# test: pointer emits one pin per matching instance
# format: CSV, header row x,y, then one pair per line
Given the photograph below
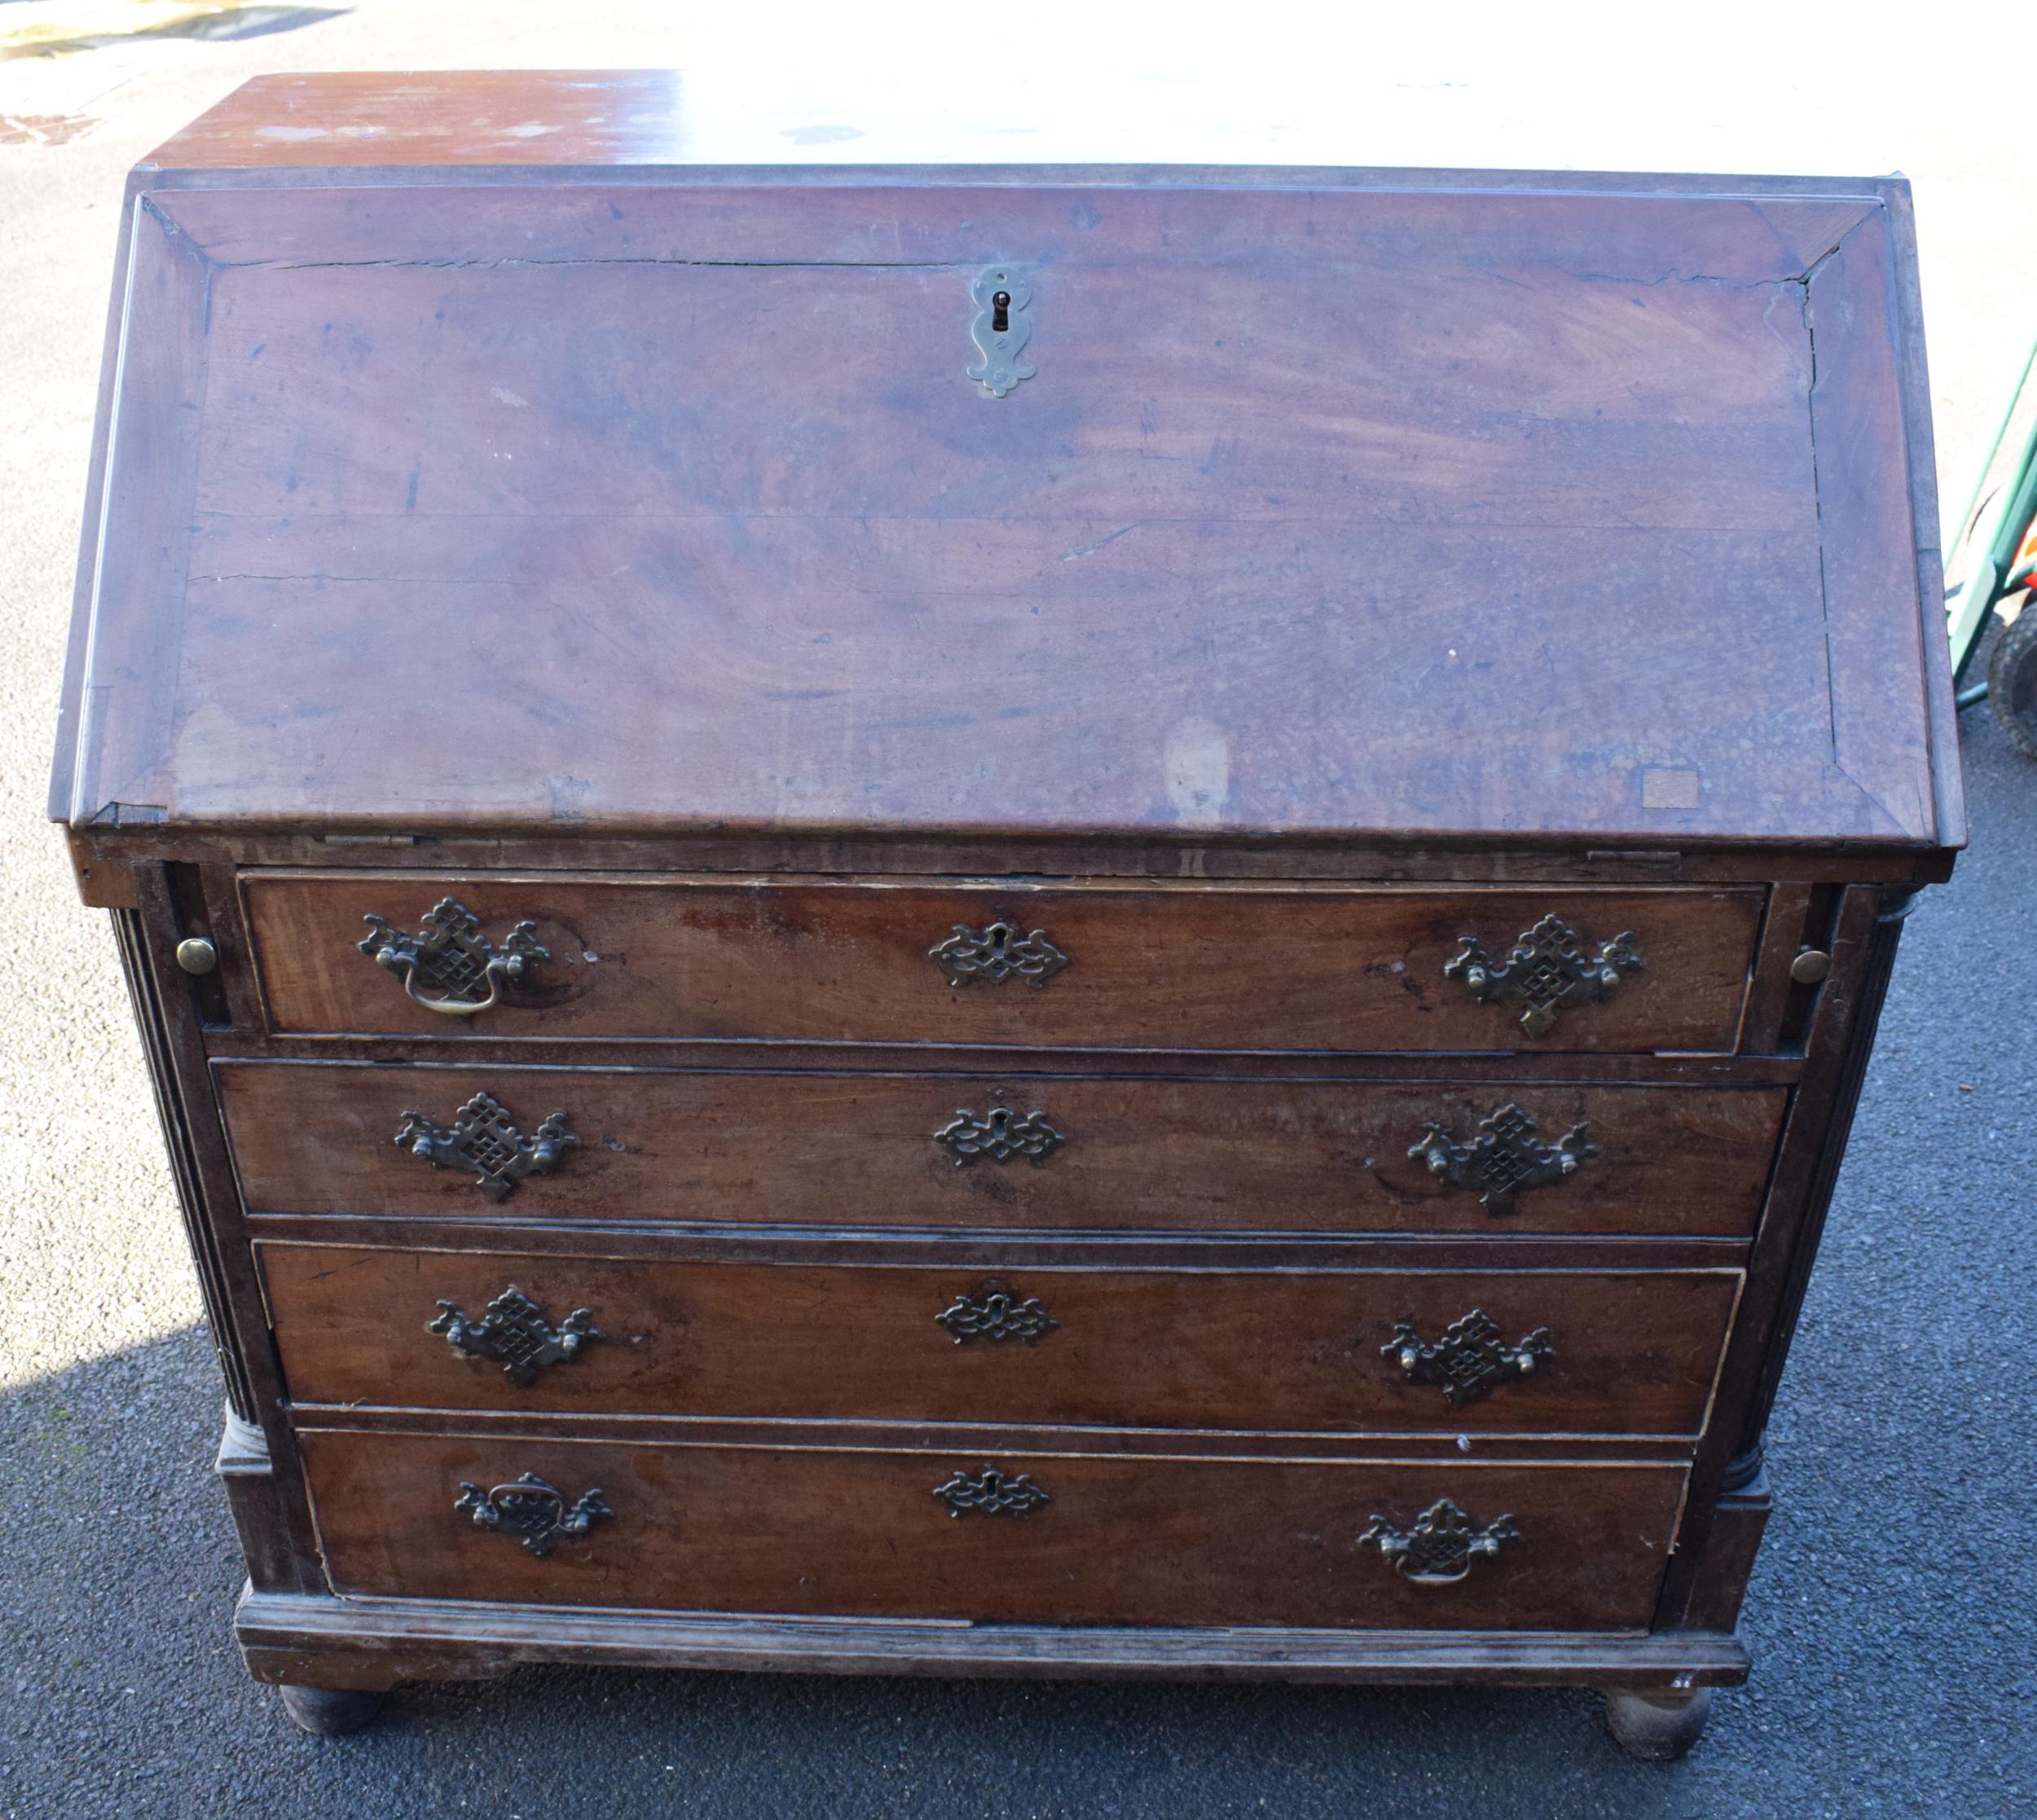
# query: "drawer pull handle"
x,y
452,959
1546,970
993,1312
996,954
514,1332
1000,1134
1440,1549
531,1512
483,1140
991,1493
1505,1158
1470,1358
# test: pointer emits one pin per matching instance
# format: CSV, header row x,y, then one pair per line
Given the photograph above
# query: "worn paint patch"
x,y
1198,765
1668,787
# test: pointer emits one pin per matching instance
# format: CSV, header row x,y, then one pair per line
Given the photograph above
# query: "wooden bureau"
x,y
962,920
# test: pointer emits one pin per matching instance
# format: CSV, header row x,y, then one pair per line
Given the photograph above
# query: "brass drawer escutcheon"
x,y
1505,1158
1000,1134
1470,1358
483,1139
991,1493
992,1311
450,956
514,1332
531,1512
1440,1549
1546,970
996,954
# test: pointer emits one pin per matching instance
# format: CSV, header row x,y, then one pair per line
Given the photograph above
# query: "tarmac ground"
x,y
1892,1611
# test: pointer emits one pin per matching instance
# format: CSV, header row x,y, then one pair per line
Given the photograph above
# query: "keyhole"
x,y
999,312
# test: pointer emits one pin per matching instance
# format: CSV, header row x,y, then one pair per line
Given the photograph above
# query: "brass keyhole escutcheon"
x,y
1000,328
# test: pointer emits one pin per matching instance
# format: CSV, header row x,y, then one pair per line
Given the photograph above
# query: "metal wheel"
x,y
2012,681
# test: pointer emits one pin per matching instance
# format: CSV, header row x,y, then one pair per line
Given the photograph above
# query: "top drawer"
x,y
1153,966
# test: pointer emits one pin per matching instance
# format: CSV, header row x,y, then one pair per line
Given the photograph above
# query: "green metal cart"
x,y
1992,557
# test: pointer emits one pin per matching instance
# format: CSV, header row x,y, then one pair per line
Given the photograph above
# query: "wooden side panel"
x,y
1634,1353
1137,1154
1180,967
1123,1540
115,729
1879,728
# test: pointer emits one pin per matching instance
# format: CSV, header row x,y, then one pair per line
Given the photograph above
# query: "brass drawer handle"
x,y
515,1334
991,1493
996,954
1505,1158
1546,970
483,1139
1470,1358
1440,1549
530,1511
1000,1134
451,957
992,1311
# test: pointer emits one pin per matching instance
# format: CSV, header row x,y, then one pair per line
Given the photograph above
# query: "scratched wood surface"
x,y
1123,1540
1180,967
1635,1352
672,505
842,1149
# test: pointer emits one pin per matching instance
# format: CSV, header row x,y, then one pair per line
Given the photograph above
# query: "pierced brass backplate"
x,y
1469,1359
513,1332
991,1493
1439,1548
1000,1134
992,1311
1507,1157
997,953
530,1511
462,972
1546,970
483,1139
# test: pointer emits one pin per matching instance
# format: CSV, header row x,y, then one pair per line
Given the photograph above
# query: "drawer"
x,y
1079,1152
1168,967
1120,1539
1623,1352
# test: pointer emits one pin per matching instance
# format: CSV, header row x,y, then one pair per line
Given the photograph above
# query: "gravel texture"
x,y
1891,1615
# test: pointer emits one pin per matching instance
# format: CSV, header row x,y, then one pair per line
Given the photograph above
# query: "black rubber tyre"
x,y
2012,680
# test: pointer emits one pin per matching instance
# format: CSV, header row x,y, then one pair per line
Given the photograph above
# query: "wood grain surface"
x,y
842,1149
672,505
1635,1352
1130,1541
1173,967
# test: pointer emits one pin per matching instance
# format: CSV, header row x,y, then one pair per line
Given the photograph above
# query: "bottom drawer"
x,y
1119,1539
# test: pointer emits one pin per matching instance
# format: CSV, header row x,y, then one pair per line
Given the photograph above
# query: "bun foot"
x,y
329,1712
1658,1728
